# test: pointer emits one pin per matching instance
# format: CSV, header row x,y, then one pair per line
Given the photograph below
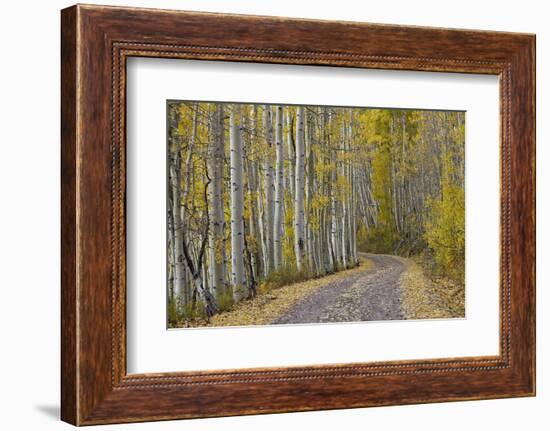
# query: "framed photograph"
x,y
264,215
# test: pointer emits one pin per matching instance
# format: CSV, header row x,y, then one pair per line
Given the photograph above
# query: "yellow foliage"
x,y
445,231
320,202
343,186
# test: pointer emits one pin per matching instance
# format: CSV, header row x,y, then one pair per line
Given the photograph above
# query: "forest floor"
x,y
382,287
430,297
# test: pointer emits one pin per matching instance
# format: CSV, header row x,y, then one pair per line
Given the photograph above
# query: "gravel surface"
x,y
374,294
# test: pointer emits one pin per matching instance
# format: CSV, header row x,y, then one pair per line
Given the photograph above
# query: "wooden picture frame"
x,y
95,43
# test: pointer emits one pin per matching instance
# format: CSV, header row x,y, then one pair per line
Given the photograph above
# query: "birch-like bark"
x,y
291,153
344,229
353,196
263,240
279,189
252,218
237,209
216,238
210,304
256,195
268,188
309,179
345,238
333,222
299,240
252,188
179,267
171,255
190,151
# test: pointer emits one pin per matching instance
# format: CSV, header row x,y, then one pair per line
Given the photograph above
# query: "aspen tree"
x,y
216,238
237,208
268,188
279,189
299,190
179,268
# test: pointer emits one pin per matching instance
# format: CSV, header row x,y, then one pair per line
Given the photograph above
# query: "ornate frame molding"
x,y
96,41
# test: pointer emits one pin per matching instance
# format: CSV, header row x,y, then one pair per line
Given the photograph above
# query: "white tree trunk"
x,y
299,239
249,122
257,196
217,239
333,237
179,266
261,228
195,269
291,155
237,209
309,174
268,189
345,238
253,218
279,189
345,199
353,196
171,254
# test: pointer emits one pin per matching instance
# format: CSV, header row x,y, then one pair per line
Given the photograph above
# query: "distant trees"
x,y
411,191
260,191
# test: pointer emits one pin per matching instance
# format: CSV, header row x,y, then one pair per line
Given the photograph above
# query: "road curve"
x,y
372,294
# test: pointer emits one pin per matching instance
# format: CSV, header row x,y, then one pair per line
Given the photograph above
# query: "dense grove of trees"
x,y
257,192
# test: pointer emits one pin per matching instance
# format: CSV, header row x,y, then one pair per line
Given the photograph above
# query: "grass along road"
x,y
382,287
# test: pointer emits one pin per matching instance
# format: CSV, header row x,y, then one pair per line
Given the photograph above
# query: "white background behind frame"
x,y
153,348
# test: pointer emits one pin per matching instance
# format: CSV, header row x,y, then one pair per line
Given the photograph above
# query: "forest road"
x,y
372,294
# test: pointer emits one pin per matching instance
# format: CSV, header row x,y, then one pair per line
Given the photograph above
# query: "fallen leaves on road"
x,y
424,298
269,306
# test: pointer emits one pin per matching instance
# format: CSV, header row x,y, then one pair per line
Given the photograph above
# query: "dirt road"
x,y
372,294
